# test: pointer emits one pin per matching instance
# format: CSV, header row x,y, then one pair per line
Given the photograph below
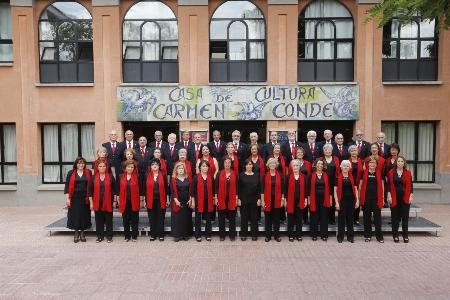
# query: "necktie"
x,y
340,150
235,147
293,150
196,152
129,145
381,149
185,145
157,145
171,150
311,147
113,147
217,146
359,146
142,152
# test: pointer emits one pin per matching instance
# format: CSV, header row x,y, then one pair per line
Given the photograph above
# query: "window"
x,y
65,44
61,144
237,43
410,50
325,42
417,142
6,49
8,160
150,43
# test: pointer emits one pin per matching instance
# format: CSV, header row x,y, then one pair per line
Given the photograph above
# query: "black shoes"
x,y
76,236
405,240
267,239
243,238
254,238
99,240
82,237
291,239
222,239
152,238
396,239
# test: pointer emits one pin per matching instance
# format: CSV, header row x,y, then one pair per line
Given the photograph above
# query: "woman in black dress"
x,y
295,191
259,169
181,213
272,198
155,191
249,200
102,192
319,200
356,170
202,195
332,172
130,192
371,198
346,195
400,195
226,199
76,189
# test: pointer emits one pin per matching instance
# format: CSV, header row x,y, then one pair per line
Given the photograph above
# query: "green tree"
x,y
405,10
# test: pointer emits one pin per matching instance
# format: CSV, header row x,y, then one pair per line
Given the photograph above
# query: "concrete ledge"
x,y
427,186
29,3
275,2
150,84
327,83
237,83
437,82
51,187
8,187
192,2
8,64
105,2
38,84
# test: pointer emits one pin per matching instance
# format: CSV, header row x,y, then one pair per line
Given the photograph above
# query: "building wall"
x,y
28,103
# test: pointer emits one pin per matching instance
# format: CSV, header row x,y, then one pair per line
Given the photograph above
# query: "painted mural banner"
x,y
227,103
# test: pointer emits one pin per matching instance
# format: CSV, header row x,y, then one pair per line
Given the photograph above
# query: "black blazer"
x,y
181,145
163,145
143,161
387,151
242,153
311,157
114,159
124,146
365,149
287,151
222,149
266,151
345,154
171,159
191,156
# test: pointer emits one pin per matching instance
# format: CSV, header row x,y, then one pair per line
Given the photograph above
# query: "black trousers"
x,y
198,223
345,218
371,207
332,211
320,216
231,214
101,219
356,214
272,218
400,213
282,214
305,215
249,211
130,219
156,220
295,220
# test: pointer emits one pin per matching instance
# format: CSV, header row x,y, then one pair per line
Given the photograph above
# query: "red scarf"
x,y
235,165
387,163
134,187
162,190
175,207
262,168
87,174
200,193
340,180
291,192
268,191
212,166
358,173
407,179
326,195
163,166
107,205
222,191
362,192
307,166
380,164
283,165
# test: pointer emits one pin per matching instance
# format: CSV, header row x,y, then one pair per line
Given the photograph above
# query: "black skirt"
x,y
79,215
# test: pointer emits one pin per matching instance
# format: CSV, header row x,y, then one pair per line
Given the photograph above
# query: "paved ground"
x,y
34,265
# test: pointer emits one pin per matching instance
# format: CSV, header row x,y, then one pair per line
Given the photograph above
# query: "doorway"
x,y
148,129
344,127
245,127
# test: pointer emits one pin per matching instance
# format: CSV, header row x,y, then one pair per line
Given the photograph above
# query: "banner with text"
x,y
227,103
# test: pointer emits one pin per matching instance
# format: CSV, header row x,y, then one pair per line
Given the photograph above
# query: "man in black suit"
x,y
312,148
254,141
240,148
128,143
340,150
361,144
114,149
328,139
382,146
267,149
194,151
171,152
185,141
143,157
217,147
289,148
158,142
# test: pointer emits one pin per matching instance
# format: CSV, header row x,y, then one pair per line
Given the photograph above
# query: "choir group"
x,y
301,183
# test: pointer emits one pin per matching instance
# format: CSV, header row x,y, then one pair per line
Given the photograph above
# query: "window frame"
x,y
161,61
2,155
7,41
57,42
60,163
247,41
315,41
397,60
416,160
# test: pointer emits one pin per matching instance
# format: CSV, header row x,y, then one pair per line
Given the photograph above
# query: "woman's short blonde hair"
x,y
272,160
175,168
